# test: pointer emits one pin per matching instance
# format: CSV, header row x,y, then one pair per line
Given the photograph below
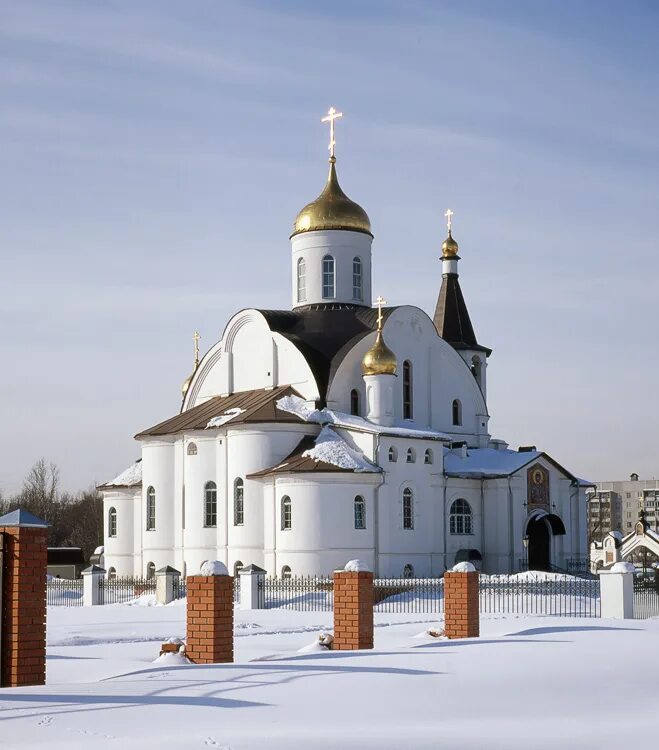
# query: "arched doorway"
x,y
539,549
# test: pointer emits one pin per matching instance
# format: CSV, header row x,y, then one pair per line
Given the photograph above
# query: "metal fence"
x,y
125,589
646,596
300,593
180,588
568,597
408,595
64,592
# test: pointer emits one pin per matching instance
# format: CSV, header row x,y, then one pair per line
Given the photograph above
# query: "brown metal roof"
x,y
296,463
257,406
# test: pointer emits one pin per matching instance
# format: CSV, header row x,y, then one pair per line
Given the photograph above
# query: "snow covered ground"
x,y
528,682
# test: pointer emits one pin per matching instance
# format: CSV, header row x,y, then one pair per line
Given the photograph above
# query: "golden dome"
x,y
379,359
449,247
332,209
186,384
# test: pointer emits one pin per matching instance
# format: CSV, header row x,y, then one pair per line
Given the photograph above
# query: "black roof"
x,y
452,317
324,334
65,556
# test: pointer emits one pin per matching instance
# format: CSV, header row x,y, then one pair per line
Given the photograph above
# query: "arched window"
x,y
407,390
237,567
301,280
238,502
457,412
410,456
150,509
192,449
360,512
476,369
393,454
286,572
427,456
357,286
408,509
150,570
328,278
408,571
112,522
210,504
112,573
461,520
354,402
286,513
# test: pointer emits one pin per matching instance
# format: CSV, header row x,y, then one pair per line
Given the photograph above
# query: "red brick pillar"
x,y
353,610
23,620
209,631
461,610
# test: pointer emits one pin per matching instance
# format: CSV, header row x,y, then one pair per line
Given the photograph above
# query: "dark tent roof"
x,y
297,463
452,318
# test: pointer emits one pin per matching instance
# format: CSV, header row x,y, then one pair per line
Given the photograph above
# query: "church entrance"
x,y
539,553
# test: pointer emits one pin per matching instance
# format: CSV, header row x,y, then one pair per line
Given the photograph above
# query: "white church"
x,y
337,430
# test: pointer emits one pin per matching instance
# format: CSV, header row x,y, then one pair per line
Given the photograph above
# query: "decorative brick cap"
x,y
463,567
22,518
214,568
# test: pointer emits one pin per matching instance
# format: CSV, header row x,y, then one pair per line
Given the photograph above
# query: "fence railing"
x,y
64,592
124,589
180,589
568,597
646,597
408,594
301,593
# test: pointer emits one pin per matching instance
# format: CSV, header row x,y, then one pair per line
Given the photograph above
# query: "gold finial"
x,y
448,215
379,302
195,337
331,115
450,246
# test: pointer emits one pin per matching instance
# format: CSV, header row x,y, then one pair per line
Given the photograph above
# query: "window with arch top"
x,y
150,509
408,509
354,402
150,570
286,571
112,573
408,571
301,280
192,449
237,567
393,454
360,512
112,522
329,284
286,513
457,412
461,518
407,390
238,502
357,279
210,505
410,456
427,456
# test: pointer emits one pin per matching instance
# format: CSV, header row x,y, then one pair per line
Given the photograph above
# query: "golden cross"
x,y
379,302
195,337
332,115
448,215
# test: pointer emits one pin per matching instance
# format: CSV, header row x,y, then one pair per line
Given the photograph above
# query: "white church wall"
x,y
158,471
120,549
469,490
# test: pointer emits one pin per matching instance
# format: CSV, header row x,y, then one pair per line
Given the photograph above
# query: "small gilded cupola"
x,y
331,245
185,387
379,367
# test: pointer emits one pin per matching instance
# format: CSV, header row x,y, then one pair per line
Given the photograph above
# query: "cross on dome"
x,y
331,115
195,337
448,215
379,302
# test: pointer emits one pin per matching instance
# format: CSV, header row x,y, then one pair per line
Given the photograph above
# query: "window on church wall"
x,y
151,509
286,513
150,570
354,402
329,286
408,509
112,522
537,482
210,505
393,454
112,573
407,390
408,571
192,449
360,512
476,369
357,283
238,502
237,567
410,456
460,518
427,457
457,412
301,280
286,572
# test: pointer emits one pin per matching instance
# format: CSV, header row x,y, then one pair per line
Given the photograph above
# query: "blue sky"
x,y
155,153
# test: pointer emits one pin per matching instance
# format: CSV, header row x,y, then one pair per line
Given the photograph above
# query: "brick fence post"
x,y
461,610
23,616
209,621
353,607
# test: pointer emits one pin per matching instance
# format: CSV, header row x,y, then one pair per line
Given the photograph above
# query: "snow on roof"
x,y
227,416
299,407
482,462
333,449
130,477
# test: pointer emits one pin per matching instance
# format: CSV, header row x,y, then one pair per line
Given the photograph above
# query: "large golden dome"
x,y
379,359
332,209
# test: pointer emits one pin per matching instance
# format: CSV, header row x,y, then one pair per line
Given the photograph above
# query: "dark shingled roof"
x,y
258,406
296,463
452,318
324,334
65,556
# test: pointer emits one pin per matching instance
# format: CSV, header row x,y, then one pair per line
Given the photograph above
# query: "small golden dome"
x,y
186,384
379,359
449,247
332,209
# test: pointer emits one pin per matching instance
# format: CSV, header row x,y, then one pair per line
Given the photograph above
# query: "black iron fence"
x,y
120,590
301,593
565,597
408,594
64,592
646,595
180,589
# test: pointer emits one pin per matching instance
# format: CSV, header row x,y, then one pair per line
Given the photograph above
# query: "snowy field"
x,y
528,682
